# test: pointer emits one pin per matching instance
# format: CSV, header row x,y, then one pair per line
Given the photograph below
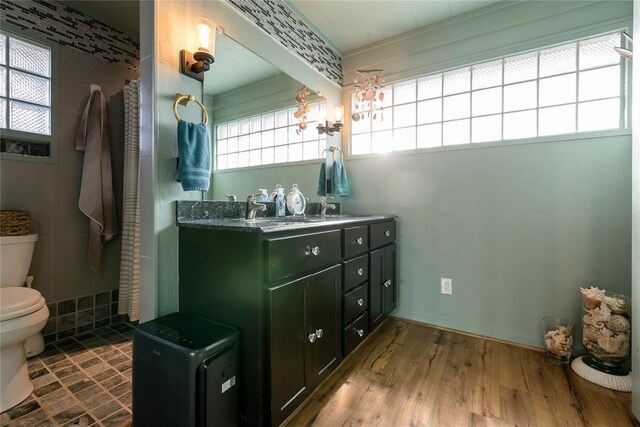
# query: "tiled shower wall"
x,y
50,192
78,315
69,27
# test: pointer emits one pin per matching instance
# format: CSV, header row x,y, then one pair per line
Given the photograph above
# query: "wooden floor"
x,y
414,375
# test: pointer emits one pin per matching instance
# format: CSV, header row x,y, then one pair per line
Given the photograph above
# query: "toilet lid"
x,y
16,302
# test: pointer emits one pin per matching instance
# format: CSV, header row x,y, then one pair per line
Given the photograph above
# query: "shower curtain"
x,y
129,294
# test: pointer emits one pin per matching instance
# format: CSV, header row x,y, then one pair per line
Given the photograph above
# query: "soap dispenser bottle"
x,y
281,202
262,196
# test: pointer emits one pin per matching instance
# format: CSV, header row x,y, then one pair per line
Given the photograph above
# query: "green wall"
x,y
518,227
635,231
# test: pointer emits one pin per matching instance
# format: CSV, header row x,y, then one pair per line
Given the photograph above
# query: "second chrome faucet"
x,y
324,206
253,207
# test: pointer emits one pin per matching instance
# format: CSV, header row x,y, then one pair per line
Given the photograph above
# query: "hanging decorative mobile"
x,y
303,109
626,52
369,96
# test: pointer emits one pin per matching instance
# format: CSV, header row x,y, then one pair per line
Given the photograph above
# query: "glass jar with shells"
x,y
606,330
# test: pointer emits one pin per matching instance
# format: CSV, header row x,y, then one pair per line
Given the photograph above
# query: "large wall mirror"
x,y
255,112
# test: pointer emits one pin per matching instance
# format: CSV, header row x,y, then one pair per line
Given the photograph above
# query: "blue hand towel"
x,y
340,180
194,151
322,180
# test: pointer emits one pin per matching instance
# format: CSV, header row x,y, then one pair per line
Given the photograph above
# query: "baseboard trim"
x,y
469,334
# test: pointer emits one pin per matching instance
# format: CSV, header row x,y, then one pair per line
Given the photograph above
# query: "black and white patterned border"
x,y
284,25
69,27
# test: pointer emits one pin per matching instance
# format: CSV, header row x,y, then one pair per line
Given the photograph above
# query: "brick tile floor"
x,y
80,381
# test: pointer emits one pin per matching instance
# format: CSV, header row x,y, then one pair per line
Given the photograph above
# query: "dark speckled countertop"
x,y
221,215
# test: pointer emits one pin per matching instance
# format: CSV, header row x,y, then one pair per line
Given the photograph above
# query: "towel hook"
x,y
184,100
333,150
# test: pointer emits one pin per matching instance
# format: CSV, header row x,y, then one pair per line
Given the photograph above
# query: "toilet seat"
x,y
17,302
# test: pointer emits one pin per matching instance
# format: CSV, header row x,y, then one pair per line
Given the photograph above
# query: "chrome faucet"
x,y
253,207
324,205
231,197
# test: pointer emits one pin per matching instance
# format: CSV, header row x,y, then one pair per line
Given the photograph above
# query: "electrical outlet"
x,y
446,286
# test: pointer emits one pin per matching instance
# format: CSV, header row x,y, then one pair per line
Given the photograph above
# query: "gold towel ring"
x,y
333,150
184,100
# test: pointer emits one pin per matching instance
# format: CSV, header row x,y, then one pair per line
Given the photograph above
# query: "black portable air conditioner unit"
x,y
185,373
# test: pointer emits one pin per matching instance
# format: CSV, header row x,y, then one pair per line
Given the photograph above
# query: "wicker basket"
x,y
14,223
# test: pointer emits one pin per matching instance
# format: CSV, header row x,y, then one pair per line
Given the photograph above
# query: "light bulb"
x,y
339,114
322,116
206,37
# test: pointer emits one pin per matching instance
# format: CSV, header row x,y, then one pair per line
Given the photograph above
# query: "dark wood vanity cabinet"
x,y
382,272
382,284
304,336
302,299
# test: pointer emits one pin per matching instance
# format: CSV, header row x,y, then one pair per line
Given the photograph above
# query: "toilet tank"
x,y
15,258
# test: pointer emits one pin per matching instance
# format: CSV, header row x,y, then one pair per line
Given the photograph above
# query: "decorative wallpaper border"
x,y
284,25
69,27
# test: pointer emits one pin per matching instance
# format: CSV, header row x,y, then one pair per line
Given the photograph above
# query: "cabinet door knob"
x,y
360,302
360,271
387,233
312,337
360,332
359,240
319,333
387,283
315,250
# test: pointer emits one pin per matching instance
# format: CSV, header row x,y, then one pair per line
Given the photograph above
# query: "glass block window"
x,y
272,137
571,88
25,86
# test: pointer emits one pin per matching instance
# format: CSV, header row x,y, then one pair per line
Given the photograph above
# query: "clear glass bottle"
x,y
262,196
281,202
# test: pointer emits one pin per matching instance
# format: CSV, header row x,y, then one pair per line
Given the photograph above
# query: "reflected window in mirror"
x,y
268,138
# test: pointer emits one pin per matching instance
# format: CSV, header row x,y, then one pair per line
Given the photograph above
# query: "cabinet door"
x,y
288,340
324,322
376,274
389,285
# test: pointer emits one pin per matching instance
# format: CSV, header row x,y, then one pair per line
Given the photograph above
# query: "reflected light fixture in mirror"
x,y
325,126
196,64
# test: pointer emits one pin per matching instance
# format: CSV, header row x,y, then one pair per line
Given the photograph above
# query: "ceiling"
x,y
350,24
346,24
235,66
123,15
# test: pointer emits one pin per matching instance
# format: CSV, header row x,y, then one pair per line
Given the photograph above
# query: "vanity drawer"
x,y
355,302
289,256
382,233
355,272
356,241
355,333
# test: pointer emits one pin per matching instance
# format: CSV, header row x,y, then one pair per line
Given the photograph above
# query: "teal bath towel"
x,y
340,180
194,151
324,187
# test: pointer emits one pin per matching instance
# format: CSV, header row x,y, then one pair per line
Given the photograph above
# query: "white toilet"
x,y
23,314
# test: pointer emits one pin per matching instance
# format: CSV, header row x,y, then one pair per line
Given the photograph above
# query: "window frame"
x,y
15,32
321,139
499,55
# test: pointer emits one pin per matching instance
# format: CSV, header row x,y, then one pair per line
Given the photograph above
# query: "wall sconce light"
x,y
325,126
196,64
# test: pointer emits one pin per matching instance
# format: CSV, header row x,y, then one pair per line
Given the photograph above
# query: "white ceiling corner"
x,y
351,24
